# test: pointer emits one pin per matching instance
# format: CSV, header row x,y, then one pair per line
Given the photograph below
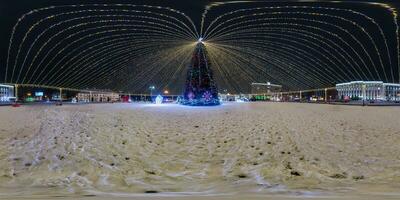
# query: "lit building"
x,y
265,91
96,96
369,90
6,93
265,88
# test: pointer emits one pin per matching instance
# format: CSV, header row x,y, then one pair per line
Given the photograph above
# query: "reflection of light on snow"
x,y
260,180
178,107
241,100
158,105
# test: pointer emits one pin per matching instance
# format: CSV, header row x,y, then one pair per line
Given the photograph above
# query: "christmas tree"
x,y
200,87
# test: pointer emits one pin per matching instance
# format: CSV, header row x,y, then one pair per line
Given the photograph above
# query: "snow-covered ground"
x,y
243,150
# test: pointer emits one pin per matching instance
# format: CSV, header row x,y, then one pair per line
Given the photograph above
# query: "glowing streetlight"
x,y
200,40
166,92
151,91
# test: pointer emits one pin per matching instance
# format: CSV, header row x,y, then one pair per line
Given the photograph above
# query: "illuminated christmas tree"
x,y
200,87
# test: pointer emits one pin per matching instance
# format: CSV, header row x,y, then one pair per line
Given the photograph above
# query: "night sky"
x,y
241,66
11,10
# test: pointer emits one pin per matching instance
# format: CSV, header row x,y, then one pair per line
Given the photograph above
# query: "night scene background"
x,y
199,100
299,50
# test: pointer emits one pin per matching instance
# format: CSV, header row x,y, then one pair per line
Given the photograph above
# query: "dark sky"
x,y
11,10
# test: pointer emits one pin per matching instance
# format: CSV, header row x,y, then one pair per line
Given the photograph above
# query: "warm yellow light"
x,y
166,92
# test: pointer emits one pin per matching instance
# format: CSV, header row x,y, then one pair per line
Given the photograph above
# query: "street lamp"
x,y
166,92
151,91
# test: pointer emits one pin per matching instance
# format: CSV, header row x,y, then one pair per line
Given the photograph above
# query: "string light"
x,y
125,46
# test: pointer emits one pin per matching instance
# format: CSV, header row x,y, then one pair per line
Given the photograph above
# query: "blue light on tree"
x,y
200,87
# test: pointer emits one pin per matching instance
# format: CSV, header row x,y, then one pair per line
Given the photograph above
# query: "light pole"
x,y
16,93
301,96
364,87
326,95
151,91
60,96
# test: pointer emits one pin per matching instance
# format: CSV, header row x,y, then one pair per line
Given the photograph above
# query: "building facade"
x,y
369,90
265,88
6,93
98,97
